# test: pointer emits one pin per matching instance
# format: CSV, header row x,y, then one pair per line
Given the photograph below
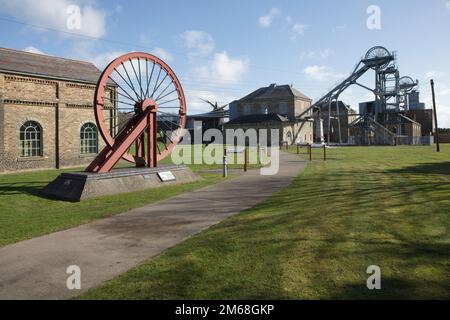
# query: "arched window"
x,y
30,138
88,138
289,137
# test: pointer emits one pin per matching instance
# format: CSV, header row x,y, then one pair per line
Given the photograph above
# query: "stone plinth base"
x,y
80,186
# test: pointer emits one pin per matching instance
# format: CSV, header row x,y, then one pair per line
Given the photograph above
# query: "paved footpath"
x,y
103,249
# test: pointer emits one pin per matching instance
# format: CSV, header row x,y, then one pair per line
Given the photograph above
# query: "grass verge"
x,y
385,206
24,214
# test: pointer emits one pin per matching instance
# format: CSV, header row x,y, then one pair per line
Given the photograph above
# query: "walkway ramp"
x,y
103,249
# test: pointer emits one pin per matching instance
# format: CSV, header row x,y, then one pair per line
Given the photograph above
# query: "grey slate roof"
x,y
341,104
18,62
258,118
212,114
275,91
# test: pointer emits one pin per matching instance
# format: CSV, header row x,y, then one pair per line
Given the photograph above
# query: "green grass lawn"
x,y
385,206
24,214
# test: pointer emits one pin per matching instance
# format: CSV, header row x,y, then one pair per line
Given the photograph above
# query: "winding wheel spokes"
x,y
140,110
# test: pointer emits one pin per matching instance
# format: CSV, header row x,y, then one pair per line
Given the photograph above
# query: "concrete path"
x,y
103,249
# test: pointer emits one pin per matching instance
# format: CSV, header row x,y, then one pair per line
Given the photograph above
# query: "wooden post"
x,y
225,162
324,152
258,154
245,158
310,152
436,135
298,148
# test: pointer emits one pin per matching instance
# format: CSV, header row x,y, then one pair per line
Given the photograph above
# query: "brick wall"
x,y
60,107
301,106
444,138
303,132
71,121
24,88
273,106
424,117
298,130
2,113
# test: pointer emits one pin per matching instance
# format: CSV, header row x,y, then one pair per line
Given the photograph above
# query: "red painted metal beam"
x,y
152,155
110,155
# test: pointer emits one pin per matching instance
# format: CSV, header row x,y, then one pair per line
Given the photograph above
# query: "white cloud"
x,y
430,74
444,116
445,92
298,29
163,54
434,74
32,49
198,42
443,110
53,14
322,54
447,5
442,89
321,73
266,21
197,105
222,68
89,51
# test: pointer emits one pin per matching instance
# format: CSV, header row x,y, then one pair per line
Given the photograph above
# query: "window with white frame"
x,y
30,139
88,138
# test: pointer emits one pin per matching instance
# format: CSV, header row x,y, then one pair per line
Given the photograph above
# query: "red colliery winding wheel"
x,y
140,110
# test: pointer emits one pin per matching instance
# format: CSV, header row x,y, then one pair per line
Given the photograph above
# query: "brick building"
x,y
46,111
274,107
424,117
341,117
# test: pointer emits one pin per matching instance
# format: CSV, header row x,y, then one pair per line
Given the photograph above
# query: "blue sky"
x,y
224,49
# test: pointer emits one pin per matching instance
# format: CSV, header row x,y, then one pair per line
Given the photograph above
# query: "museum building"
x,y
46,111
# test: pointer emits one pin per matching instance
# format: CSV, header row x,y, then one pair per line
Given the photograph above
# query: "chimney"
x,y
273,85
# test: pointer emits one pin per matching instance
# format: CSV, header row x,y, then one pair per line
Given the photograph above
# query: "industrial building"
x,y
46,111
340,118
281,107
396,116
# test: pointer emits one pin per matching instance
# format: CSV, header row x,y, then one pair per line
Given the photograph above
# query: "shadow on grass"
x,y
31,188
391,288
425,168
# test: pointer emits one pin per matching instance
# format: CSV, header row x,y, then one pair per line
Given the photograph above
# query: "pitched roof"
x,y
341,105
258,118
221,113
275,91
15,61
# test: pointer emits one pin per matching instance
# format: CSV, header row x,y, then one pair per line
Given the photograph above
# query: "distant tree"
x,y
444,130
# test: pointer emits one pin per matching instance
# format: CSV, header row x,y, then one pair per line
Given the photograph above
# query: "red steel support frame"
x,y
152,155
135,131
